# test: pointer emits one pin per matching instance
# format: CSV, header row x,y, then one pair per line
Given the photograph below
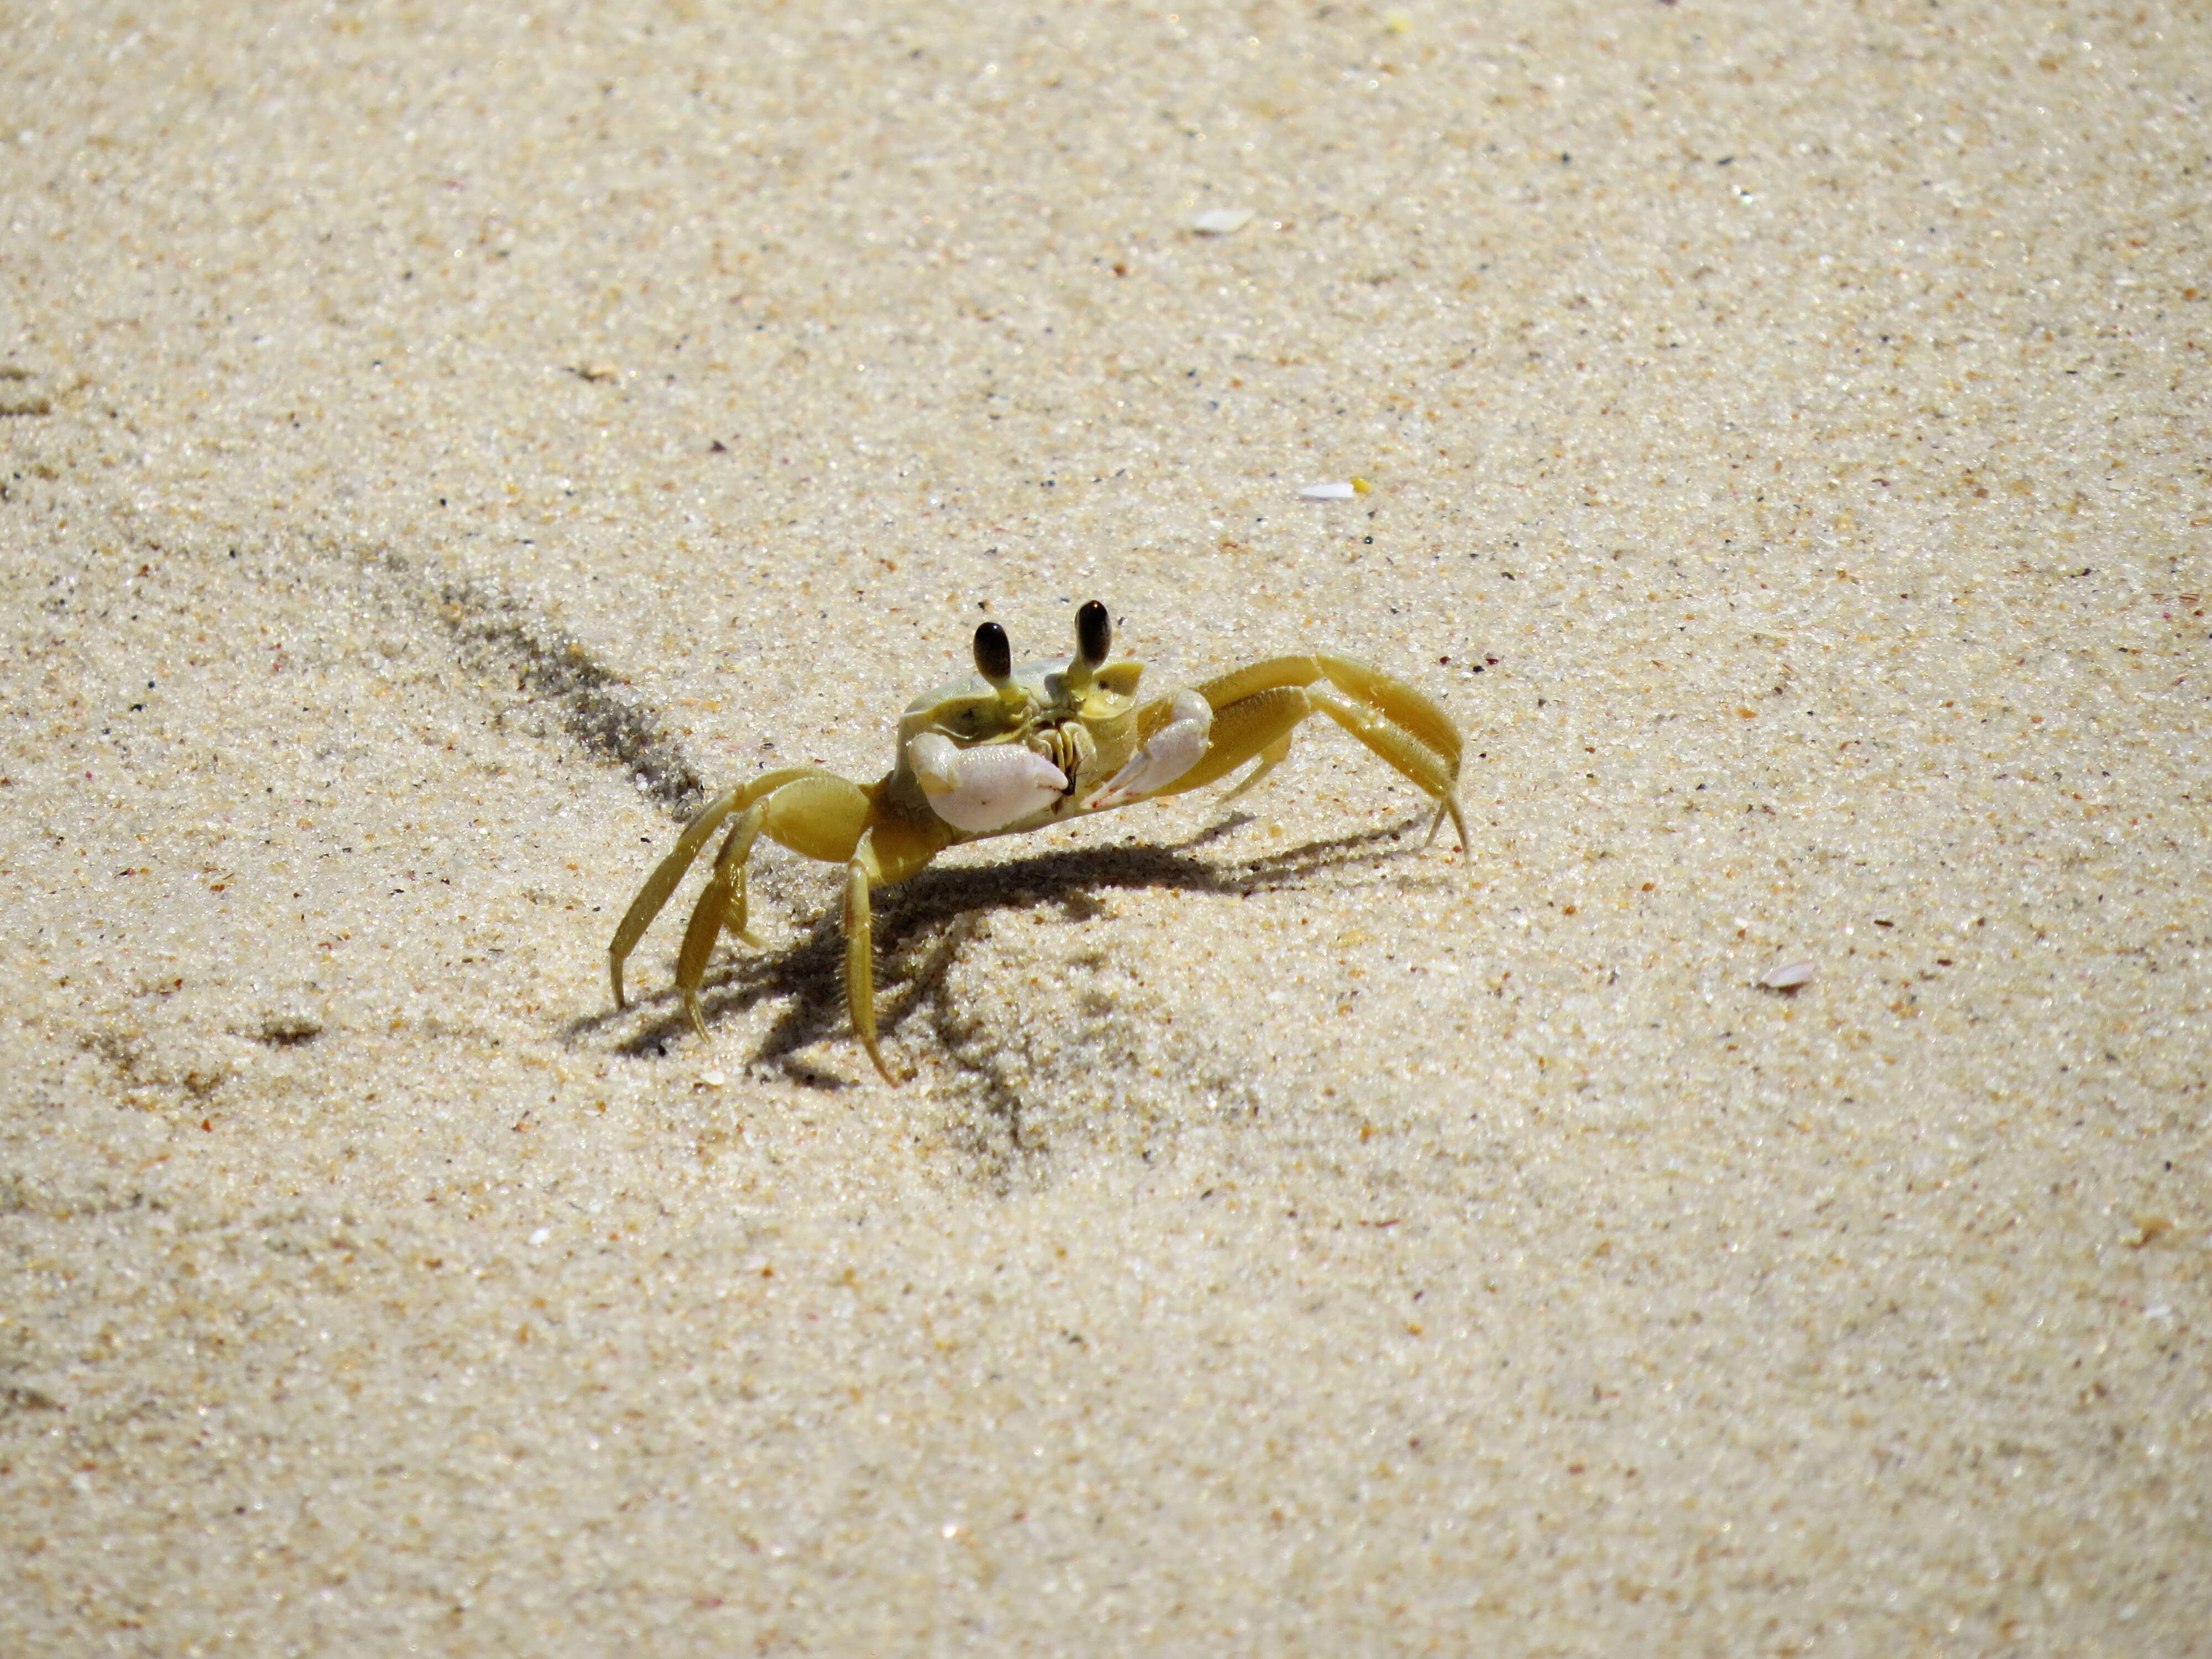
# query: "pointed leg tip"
x,y
1459,821
882,1065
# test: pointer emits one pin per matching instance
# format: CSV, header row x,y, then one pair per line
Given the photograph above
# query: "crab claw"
x,y
1167,754
984,789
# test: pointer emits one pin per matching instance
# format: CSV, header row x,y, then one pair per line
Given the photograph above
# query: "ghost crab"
x,y
1014,748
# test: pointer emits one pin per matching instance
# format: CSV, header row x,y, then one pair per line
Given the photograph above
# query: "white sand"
x,y
459,437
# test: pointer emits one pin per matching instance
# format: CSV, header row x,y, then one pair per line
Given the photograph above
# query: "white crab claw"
x,y
986,788
1167,754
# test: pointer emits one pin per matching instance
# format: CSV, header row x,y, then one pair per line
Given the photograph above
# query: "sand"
x,y
439,442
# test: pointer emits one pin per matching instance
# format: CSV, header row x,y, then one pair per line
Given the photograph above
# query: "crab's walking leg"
x,y
805,808
1435,773
721,904
892,849
861,951
1257,709
662,882
813,812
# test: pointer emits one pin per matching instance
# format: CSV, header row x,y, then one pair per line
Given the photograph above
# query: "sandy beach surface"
x,y
438,444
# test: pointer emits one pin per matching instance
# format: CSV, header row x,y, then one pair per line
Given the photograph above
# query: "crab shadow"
x,y
922,925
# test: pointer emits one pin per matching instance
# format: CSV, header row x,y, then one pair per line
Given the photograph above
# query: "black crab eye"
x,y
1094,632
994,657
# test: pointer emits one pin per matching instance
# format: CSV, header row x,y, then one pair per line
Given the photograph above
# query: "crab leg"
x,y
818,814
893,848
663,882
807,809
721,904
860,951
1257,709
1416,760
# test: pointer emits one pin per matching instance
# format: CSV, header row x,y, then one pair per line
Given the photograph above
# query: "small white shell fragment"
x,y
1787,976
1342,490
1221,221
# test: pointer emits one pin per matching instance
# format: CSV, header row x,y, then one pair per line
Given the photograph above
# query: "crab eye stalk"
x,y
994,656
1094,632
